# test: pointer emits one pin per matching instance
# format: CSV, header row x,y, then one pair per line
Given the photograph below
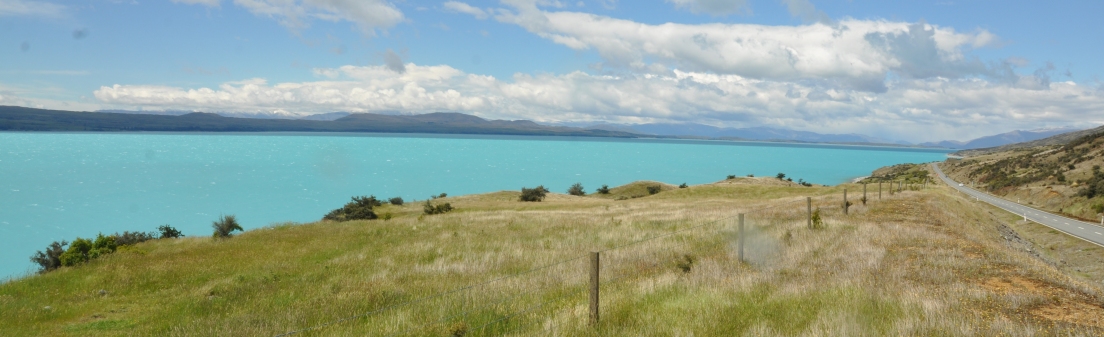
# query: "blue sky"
x,y
900,70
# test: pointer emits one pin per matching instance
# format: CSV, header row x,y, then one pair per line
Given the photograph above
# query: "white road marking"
x,y
1098,233
1080,227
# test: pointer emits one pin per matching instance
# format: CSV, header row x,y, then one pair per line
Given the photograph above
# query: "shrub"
x,y
863,199
576,189
534,194
49,259
684,185
780,176
168,232
751,176
653,189
130,238
225,226
603,190
77,252
360,208
442,195
103,245
397,201
1099,208
731,176
818,222
458,329
430,209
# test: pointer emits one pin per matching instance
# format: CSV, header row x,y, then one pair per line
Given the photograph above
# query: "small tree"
x,y
360,208
397,201
731,176
603,190
653,189
49,259
442,195
533,194
684,185
576,189
430,209
225,226
780,176
168,232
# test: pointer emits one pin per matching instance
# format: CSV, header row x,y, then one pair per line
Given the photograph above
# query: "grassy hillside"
x,y
1063,178
925,262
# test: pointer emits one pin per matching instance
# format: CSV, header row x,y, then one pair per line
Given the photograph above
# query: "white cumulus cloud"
x,y
911,109
369,15
856,53
461,7
30,8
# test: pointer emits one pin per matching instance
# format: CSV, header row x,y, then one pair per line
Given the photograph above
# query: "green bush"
x,y
77,252
49,259
430,209
684,185
103,245
168,232
360,208
225,226
576,189
653,189
397,201
780,176
534,194
603,190
130,238
818,222
731,176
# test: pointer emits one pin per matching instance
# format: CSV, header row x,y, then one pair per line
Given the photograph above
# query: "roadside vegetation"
x,y
1060,178
926,262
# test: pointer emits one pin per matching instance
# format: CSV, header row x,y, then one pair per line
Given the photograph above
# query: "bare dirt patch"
x,y
1076,312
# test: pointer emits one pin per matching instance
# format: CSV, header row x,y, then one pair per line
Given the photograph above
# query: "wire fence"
x,y
553,298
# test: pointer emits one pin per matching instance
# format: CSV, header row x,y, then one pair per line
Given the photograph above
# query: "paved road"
x,y
1087,231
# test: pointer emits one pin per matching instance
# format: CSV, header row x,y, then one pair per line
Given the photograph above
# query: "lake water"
x,y
57,186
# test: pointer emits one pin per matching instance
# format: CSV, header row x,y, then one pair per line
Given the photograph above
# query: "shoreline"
x,y
858,179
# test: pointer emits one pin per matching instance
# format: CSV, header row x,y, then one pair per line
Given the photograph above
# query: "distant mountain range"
x,y
753,133
28,119
766,133
450,122
1017,136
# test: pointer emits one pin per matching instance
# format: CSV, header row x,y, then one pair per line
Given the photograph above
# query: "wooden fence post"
x,y
594,268
864,194
809,209
879,190
741,237
845,201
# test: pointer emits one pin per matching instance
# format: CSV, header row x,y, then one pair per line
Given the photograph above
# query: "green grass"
x,y
916,263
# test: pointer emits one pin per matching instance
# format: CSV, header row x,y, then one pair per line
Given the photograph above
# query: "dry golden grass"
x,y
917,263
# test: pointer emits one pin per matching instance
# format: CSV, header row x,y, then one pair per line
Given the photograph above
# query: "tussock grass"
x,y
916,263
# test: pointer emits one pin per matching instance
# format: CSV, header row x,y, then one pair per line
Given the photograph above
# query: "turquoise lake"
x,y
57,186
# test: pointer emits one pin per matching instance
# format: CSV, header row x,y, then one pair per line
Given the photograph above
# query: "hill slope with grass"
x,y
924,262
1063,178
